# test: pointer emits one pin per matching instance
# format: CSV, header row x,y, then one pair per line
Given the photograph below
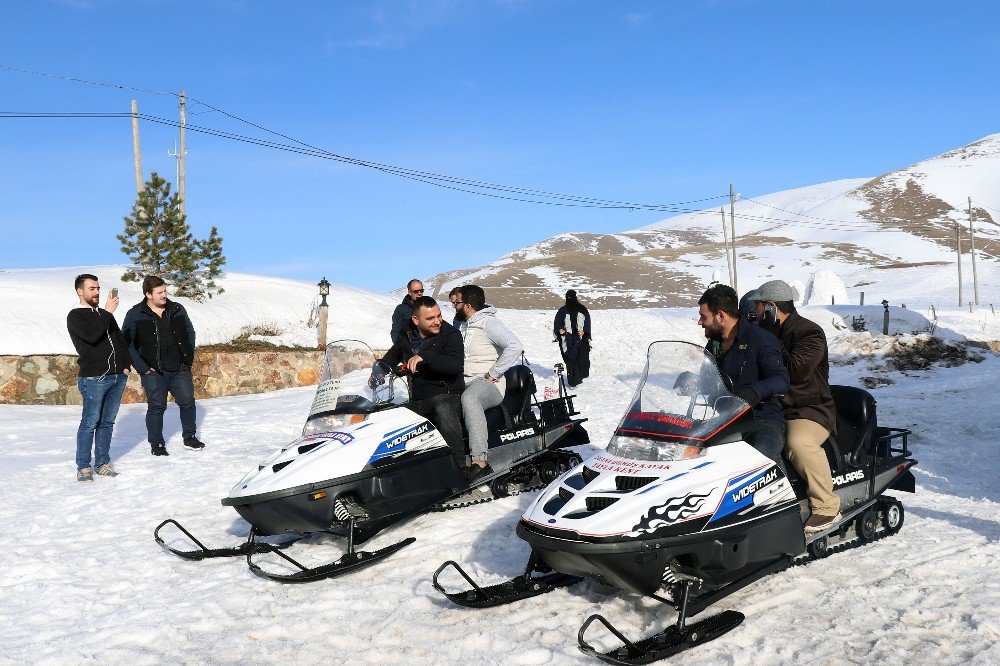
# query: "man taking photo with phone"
x,y
104,363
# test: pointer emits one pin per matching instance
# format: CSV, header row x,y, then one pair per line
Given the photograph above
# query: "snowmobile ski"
x,y
350,561
664,644
516,589
248,547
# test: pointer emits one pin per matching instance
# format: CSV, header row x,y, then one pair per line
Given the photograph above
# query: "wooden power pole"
x,y
181,178
732,228
135,148
958,247
972,244
725,240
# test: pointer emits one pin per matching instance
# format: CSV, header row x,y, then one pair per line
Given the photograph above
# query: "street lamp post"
x,y
324,313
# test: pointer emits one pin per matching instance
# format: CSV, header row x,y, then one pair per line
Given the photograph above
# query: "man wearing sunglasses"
x,y
404,311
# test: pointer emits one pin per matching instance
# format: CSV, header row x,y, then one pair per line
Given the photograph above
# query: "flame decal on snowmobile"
x,y
673,510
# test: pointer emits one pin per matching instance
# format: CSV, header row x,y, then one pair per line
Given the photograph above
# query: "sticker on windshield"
x,y
669,419
326,397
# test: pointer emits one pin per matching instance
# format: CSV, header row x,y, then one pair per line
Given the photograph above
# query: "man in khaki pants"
x,y
810,414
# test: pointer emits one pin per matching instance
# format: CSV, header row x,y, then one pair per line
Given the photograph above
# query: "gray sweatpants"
x,y
479,396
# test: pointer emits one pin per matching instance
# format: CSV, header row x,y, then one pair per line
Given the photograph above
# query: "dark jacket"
x,y
142,332
443,366
805,354
401,317
98,341
754,364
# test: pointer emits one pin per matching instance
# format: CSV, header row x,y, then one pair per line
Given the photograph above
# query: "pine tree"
x,y
158,241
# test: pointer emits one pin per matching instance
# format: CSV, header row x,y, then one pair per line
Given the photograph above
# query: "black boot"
x,y
193,442
159,450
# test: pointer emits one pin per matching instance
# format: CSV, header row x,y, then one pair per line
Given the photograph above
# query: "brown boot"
x,y
818,522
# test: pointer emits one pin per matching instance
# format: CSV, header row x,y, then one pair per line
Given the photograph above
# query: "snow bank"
x,y
38,300
825,287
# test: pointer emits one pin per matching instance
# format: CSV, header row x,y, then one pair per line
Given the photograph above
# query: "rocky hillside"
x,y
892,236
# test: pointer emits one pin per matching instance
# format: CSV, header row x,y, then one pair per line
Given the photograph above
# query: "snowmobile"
x,y
365,462
679,508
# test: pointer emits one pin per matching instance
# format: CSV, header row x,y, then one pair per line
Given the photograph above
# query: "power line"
x,y
414,174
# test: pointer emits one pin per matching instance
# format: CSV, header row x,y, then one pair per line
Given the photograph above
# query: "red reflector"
x,y
567,427
901,468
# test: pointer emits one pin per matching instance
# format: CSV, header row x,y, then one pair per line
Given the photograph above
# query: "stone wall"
x,y
51,379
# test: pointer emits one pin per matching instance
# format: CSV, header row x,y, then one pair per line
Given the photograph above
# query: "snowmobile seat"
x,y
856,422
515,408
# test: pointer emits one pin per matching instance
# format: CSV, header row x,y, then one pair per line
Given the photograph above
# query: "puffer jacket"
x,y
141,332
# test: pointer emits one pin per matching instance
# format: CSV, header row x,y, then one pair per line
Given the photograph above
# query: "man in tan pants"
x,y
810,414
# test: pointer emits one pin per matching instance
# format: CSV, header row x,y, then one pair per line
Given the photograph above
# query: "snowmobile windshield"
x,y
352,384
682,405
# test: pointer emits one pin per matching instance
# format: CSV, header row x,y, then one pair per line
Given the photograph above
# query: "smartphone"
x,y
114,292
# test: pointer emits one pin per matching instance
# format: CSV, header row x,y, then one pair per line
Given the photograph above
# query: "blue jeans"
x,y
768,437
180,384
101,399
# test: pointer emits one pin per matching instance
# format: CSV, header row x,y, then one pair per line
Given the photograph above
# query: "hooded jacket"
x,y
142,331
98,341
489,347
443,361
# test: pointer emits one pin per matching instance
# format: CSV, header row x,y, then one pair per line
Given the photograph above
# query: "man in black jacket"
x,y
161,340
751,358
401,315
432,353
809,410
104,363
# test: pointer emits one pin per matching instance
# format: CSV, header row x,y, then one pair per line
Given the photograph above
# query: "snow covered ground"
x,y
82,580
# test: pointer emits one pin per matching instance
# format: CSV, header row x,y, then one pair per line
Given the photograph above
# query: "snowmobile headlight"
x,y
331,423
636,448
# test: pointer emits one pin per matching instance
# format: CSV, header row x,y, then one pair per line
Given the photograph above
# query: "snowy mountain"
x,y
892,237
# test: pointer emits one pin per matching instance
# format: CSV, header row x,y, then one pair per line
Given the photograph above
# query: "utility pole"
x,y
732,228
972,241
181,178
958,246
135,148
725,239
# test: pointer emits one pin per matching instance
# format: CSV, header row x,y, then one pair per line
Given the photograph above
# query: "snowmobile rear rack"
x,y
523,587
248,547
675,638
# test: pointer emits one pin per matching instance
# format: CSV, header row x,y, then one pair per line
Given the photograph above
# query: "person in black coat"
x,y
161,341
751,358
104,364
432,353
571,328
401,315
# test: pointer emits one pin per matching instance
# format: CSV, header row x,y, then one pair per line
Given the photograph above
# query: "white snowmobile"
x,y
680,506
365,462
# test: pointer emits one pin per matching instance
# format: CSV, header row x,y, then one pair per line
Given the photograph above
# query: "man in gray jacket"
x,y
490,349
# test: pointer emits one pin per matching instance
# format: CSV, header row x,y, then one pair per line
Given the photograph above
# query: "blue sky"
x,y
640,101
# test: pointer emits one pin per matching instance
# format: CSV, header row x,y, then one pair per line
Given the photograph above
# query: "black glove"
x,y
748,396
